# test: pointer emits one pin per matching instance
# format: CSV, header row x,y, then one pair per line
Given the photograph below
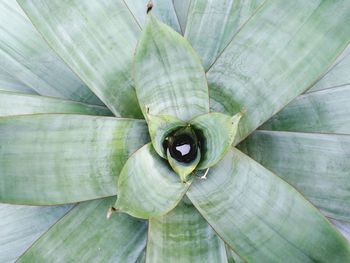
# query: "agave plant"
x,y
174,131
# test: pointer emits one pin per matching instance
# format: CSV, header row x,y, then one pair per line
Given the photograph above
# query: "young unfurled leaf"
x,y
169,77
147,186
217,132
161,126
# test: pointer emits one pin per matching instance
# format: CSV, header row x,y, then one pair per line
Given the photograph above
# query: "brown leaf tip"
x,y
149,6
110,212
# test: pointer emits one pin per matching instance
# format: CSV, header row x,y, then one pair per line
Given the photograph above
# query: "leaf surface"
x,y
29,61
86,234
183,170
159,128
96,39
232,257
147,186
20,226
343,227
169,77
324,111
218,132
315,164
212,24
183,236
14,103
162,10
337,76
9,83
57,158
263,218
181,9
277,55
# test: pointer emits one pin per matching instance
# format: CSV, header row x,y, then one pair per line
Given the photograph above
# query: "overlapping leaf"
x,y
14,103
183,236
277,55
55,158
263,218
316,164
169,77
147,186
30,62
85,234
97,40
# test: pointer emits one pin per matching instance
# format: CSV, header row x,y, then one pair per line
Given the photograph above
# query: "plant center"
x,y
183,145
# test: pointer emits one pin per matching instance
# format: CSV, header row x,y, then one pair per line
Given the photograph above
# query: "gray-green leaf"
x,y
48,159
263,218
170,79
147,187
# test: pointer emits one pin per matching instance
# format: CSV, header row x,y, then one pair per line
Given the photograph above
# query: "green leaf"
x,y
337,76
343,227
183,236
159,128
137,194
325,111
181,9
218,132
278,54
20,226
97,40
316,164
212,24
142,257
56,158
29,60
162,10
86,235
14,103
168,75
232,256
263,218
183,169
9,83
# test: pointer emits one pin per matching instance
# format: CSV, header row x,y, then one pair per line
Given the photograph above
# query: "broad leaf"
x,y
343,227
183,169
263,218
169,77
147,187
183,236
85,234
181,10
14,103
20,226
325,111
56,158
162,10
142,257
29,60
159,128
278,54
212,24
9,83
316,164
218,132
232,256
337,76
97,40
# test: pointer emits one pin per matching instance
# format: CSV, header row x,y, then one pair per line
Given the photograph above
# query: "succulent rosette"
x,y
206,131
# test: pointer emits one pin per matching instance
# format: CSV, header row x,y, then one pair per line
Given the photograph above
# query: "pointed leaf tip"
x,y
137,195
159,128
169,77
217,132
183,169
